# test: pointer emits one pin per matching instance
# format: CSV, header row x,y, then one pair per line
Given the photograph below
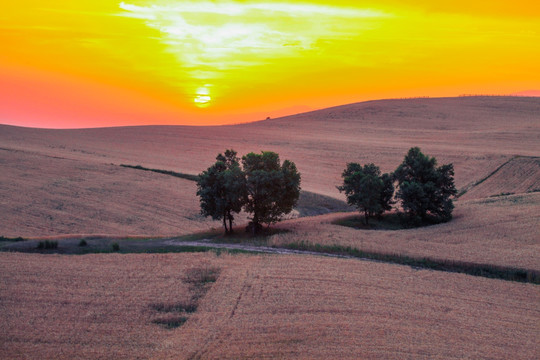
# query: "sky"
x,y
94,63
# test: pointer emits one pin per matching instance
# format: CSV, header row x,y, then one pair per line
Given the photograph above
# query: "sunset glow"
x,y
108,63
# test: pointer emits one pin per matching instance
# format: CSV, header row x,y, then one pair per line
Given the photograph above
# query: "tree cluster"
x,y
258,183
367,189
424,190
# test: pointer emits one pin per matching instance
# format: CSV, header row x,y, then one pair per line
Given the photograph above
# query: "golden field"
x,y
68,183
45,195
473,133
300,307
501,231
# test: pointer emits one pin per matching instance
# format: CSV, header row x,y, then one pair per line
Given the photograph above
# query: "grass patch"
x,y
241,236
393,221
181,307
15,239
164,172
312,204
199,280
47,245
483,270
201,276
502,194
170,322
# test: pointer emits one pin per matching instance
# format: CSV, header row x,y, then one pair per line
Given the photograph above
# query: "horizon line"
x,y
521,94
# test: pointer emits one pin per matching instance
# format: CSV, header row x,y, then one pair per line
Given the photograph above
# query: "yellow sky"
x,y
101,63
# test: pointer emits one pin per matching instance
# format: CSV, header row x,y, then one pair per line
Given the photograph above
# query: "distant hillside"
x,y
55,180
535,93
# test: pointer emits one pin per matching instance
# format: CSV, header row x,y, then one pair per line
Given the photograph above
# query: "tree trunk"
x,y
230,222
366,216
225,223
255,226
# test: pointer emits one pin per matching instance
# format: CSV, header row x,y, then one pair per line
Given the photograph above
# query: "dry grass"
x,y
518,175
500,231
43,195
92,306
314,308
71,168
101,306
107,306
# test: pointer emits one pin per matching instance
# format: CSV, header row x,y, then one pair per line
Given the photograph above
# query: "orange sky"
x,y
72,64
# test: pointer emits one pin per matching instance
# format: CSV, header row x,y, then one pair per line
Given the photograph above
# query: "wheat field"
x,y
500,231
297,307
65,183
80,187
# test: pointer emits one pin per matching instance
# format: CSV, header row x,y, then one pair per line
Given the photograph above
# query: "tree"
x,y
272,189
222,189
367,190
424,189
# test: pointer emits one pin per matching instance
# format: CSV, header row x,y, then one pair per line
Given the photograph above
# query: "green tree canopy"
x,y
272,188
425,189
222,189
366,189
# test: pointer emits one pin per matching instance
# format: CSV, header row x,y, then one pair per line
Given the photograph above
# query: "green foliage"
x,y
16,239
424,189
115,246
272,189
367,190
83,242
262,186
222,189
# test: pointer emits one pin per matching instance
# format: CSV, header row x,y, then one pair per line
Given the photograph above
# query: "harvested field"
x,y
518,175
92,306
473,133
57,182
500,231
99,306
43,195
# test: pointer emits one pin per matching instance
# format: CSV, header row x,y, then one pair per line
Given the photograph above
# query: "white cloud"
x,y
197,43
208,37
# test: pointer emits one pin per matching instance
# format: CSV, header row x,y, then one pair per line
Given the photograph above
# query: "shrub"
x,y
47,245
83,243
3,238
115,246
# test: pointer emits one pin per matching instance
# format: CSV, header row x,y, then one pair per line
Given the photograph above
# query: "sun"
x,y
202,97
